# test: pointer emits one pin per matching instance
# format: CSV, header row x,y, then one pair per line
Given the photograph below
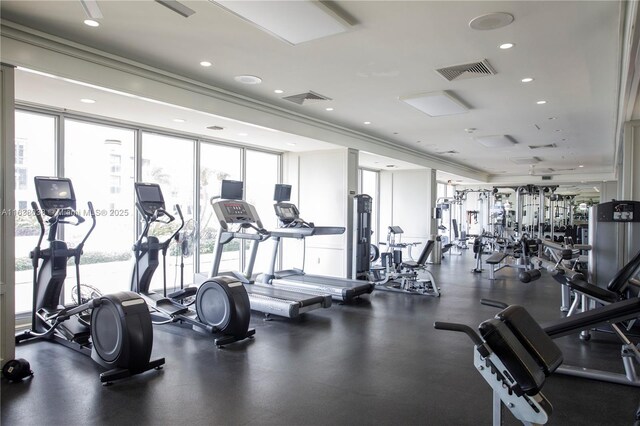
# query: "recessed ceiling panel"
x,y
436,104
292,21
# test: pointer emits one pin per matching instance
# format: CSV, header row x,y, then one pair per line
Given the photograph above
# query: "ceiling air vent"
x,y
306,98
525,160
447,152
546,178
215,128
464,71
549,145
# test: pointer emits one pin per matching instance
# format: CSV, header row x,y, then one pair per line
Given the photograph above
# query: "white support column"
x,y
353,159
629,180
432,197
7,218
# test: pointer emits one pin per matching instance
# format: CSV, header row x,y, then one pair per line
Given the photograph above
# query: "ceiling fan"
x,y
93,11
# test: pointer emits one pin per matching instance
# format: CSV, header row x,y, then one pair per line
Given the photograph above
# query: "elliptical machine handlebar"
x,y
151,218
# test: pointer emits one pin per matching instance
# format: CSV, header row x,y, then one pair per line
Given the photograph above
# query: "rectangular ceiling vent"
x,y
215,127
465,71
447,152
306,98
525,160
547,177
549,145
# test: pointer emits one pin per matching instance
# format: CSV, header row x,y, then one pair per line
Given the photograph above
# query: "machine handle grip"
x,y
494,303
451,326
93,224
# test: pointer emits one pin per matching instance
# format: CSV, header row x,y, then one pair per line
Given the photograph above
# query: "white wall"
x,y
321,187
406,201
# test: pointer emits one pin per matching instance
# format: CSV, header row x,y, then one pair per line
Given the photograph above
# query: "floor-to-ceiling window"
x,y
261,176
169,162
99,159
217,163
35,147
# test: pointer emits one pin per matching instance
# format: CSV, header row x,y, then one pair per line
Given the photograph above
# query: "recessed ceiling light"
x,y
87,101
205,63
178,120
329,109
367,122
541,102
581,165
243,134
278,91
247,79
91,23
506,46
527,80
291,144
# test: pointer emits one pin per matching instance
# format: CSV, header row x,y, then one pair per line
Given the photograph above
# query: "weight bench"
x,y
495,259
514,356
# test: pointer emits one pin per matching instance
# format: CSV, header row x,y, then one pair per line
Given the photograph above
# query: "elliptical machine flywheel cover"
x,y
121,332
223,303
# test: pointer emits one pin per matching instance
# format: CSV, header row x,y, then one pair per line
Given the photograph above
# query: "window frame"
x,y
60,118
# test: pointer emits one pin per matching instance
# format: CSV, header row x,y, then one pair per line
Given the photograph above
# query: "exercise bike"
x,y
114,330
221,303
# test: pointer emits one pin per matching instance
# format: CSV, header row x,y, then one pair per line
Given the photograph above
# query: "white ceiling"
x,y
571,49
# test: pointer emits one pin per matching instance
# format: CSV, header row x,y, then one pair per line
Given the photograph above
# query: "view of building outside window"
x,y
99,160
217,163
35,152
168,161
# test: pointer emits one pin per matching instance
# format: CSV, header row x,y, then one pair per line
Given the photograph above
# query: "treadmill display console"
x,y
286,212
237,212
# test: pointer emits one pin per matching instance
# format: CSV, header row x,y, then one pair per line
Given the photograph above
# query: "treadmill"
x,y
232,211
292,226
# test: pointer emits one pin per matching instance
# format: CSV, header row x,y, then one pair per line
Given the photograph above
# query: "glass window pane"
x,y
35,156
168,161
217,163
89,150
262,173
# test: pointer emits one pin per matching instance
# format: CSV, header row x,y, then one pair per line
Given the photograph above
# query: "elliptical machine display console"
x,y
117,332
221,303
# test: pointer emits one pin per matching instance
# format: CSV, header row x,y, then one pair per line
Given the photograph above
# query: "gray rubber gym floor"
x,y
376,362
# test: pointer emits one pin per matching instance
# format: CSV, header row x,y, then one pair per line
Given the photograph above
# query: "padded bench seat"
x,y
613,313
496,258
593,291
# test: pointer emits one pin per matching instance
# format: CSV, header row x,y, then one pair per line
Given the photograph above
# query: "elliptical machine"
x,y
114,330
221,303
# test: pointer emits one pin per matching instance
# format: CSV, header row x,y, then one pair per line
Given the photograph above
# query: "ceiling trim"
x,y
42,52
